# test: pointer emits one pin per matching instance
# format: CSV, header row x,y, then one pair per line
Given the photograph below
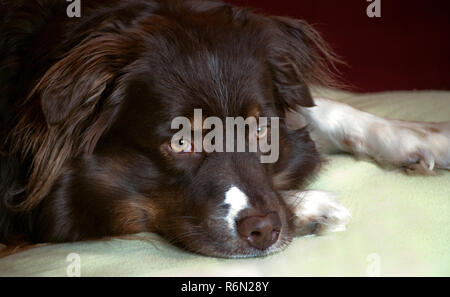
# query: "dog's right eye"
x,y
261,132
181,146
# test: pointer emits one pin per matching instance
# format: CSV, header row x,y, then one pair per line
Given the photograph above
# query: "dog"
x,y
88,150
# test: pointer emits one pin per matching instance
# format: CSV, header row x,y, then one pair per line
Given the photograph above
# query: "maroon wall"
x,y
407,48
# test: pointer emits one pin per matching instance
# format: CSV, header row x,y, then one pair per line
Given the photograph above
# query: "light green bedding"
x,y
400,224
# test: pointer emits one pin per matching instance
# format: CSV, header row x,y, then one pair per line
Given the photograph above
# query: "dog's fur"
x,y
86,109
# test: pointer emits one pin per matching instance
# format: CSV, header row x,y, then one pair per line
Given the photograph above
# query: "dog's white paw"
x,y
316,212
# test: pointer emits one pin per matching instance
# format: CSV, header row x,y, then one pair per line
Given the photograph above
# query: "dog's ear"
x,y
299,58
78,101
74,85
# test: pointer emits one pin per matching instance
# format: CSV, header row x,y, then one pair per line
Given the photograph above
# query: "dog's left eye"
x,y
181,146
261,132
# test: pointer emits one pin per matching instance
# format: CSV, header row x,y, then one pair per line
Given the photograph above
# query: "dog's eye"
x,y
181,146
261,132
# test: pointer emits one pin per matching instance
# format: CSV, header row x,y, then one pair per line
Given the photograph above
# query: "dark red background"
x,y
407,48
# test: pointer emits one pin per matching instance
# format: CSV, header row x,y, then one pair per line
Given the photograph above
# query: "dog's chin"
x,y
234,248
253,253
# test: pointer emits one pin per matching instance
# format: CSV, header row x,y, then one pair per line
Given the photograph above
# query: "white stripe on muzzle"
x,y
237,201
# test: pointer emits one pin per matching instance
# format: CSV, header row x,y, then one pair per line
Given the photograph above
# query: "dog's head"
x,y
116,94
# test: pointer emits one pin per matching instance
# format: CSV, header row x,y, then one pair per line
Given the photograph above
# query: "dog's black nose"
x,y
260,231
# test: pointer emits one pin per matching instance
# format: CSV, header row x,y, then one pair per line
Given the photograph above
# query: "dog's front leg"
x,y
418,146
316,212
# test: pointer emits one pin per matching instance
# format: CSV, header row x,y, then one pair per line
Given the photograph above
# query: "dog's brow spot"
x,y
237,201
254,112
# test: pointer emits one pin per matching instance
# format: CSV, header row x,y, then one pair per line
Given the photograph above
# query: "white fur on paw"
x,y
317,212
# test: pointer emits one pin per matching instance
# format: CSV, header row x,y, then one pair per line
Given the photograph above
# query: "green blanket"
x,y
400,224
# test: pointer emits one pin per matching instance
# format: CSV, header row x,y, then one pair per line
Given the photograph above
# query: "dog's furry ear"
x,y
299,58
78,98
74,85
